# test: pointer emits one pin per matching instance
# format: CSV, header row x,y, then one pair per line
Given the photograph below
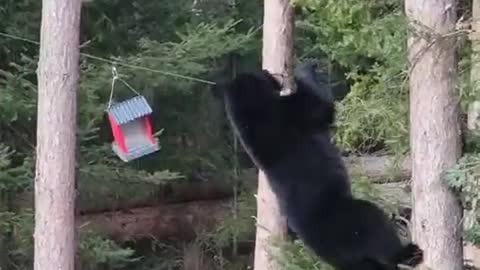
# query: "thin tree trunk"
x,y
435,132
58,76
278,59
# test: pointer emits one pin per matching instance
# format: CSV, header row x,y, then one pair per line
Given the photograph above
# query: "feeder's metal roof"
x,y
129,109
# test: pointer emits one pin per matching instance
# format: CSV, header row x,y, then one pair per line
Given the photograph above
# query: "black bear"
x,y
287,136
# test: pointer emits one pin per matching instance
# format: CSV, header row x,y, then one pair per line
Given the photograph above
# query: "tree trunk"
x,y
58,76
278,59
435,132
277,53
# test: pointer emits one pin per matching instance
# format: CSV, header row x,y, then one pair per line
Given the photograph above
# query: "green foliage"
x,y
464,179
18,98
295,256
21,18
240,225
193,49
160,256
351,31
13,178
16,229
193,55
368,38
472,234
97,251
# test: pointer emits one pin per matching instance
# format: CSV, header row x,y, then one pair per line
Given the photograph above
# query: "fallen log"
x,y
101,196
181,221
110,195
380,169
152,195
395,196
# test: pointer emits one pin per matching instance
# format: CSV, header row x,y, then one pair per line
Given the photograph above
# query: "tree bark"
x,y
277,58
58,76
435,132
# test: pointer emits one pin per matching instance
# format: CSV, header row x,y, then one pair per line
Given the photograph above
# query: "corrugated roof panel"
x,y
130,109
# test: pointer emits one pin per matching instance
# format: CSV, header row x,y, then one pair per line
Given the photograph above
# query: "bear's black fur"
x,y
288,138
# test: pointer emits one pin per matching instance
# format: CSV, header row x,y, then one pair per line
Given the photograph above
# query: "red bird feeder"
x,y
131,125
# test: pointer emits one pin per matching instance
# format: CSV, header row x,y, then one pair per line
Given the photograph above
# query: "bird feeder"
x,y
131,125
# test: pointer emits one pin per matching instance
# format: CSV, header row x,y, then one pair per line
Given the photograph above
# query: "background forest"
x,y
190,205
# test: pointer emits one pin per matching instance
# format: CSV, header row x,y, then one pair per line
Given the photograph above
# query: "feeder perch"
x,y
131,125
